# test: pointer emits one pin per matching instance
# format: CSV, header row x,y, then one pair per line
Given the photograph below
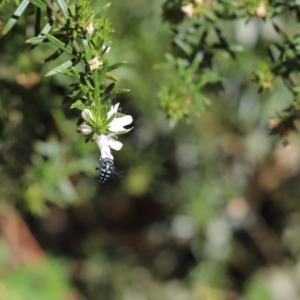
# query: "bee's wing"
x,y
118,173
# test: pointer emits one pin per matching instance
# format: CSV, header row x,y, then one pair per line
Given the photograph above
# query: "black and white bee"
x,y
107,169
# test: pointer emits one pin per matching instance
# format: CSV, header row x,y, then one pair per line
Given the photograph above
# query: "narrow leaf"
x,y
84,89
36,40
41,38
102,10
37,22
69,72
59,44
111,77
61,67
196,62
186,48
86,48
96,85
80,120
47,27
118,91
78,104
108,90
115,66
75,72
53,56
62,5
72,94
103,71
86,80
14,18
39,3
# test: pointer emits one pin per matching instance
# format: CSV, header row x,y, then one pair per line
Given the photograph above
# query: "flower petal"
x,y
103,144
87,115
85,129
114,144
124,131
123,121
113,110
118,124
115,128
188,10
105,153
102,141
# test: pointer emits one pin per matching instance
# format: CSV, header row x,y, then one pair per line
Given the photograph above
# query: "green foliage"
x,y
203,34
257,290
205,210
85,36
45,279
181,97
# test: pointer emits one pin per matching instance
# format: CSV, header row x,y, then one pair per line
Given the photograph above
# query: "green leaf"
x,y
280,31
115,66
39,3
107,121
74,72
78,105
62,67
186,48
41,38
72,94
47,28
63,7
36,40
86,80
69,72
118,91
88,138
84,89
86,48
14,18
59,44
103,71
102,10
53,56
108,90
196,62
37,22
111,77
96,86
80,120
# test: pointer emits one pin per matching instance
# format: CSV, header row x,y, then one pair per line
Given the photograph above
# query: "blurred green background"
x,y
207,210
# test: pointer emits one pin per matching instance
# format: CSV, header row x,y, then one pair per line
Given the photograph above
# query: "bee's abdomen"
x,y
104,174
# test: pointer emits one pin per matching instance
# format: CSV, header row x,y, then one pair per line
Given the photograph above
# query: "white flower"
x,y
261,11
89,29
95,63
85,129
87,115
188,9
105,142
117,124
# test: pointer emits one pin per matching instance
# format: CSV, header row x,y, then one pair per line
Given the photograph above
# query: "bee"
x,y
107,169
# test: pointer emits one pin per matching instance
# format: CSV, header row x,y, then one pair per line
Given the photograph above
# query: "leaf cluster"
x,y
200,31
85,37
